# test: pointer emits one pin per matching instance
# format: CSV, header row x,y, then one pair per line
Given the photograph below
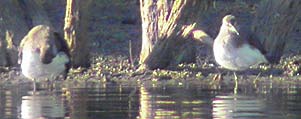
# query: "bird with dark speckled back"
x,y
43,54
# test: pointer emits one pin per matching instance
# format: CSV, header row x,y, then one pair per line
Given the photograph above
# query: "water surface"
x,y
149,100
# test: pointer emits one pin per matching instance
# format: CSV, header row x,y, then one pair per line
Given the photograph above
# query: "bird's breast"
x,y
33,67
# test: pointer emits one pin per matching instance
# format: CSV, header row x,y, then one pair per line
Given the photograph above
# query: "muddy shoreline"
x,y
111,34
112,69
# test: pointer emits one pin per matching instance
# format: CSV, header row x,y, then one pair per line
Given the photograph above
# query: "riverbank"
x,y
118,26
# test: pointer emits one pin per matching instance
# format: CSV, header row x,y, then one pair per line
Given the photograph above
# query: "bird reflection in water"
x,y
235,106
42,105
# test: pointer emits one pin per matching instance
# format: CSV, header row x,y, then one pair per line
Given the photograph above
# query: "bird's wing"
x,y
255,43
61,43
63,47
248,36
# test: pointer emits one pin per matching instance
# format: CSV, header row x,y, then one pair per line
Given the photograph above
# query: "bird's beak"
x,y
233,29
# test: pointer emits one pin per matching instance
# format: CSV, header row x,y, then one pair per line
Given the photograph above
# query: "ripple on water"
x,y
114,100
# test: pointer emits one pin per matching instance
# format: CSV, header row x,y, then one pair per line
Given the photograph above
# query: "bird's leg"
x,y
258,75
34,86
256,79
236,83
235,76
50,84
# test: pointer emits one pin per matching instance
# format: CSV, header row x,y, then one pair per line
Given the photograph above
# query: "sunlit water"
x,y
177,100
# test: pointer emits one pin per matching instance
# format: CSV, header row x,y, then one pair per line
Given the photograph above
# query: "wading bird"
x,y
236,48
43,54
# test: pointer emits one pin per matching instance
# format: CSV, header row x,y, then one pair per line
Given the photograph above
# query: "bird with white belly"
x,y
236,48
43,54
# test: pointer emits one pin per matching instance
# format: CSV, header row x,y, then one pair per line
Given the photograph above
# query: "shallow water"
x,y
147,100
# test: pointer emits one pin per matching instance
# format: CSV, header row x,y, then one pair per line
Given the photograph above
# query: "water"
x,y
149,100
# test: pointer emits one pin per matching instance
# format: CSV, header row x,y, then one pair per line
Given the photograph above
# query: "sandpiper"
x,y
43,54
235,48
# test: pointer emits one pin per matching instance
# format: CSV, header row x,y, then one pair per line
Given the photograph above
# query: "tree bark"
x,y
3,54
166,27
76,29
13,27
275,22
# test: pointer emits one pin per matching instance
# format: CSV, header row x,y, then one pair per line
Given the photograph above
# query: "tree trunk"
x,y
13,28
275,22
76,29
3,53
166,27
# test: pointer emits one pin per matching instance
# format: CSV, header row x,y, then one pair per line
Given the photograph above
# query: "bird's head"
x,y
47,52
229,22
